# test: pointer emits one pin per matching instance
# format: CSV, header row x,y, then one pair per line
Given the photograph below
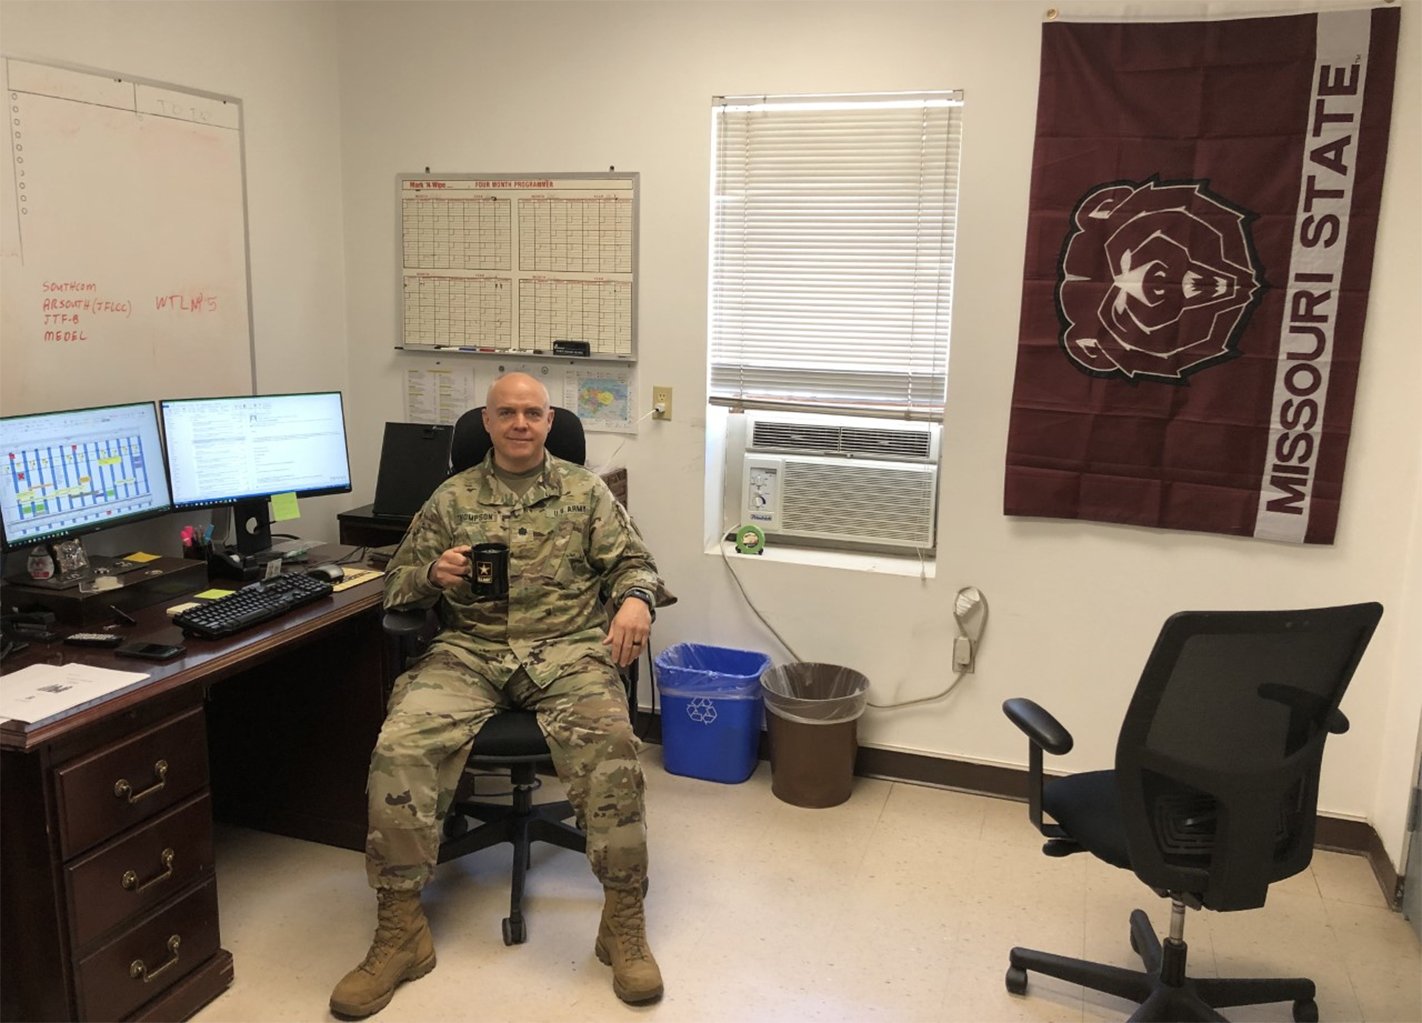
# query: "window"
x,y
833,219
832,229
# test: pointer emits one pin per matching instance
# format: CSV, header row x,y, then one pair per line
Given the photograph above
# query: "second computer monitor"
x,y
70,473
244,450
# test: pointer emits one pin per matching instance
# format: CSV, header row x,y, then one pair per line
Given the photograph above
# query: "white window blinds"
x,y
833,220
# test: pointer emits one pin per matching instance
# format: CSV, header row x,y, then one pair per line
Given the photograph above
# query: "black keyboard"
x,y
250,605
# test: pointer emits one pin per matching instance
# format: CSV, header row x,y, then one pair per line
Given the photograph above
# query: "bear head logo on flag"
x,y
1156,281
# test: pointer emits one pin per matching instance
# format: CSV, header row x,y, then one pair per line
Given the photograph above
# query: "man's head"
x,y
518,418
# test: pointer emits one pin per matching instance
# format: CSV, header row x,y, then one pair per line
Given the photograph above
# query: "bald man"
x,y
547,647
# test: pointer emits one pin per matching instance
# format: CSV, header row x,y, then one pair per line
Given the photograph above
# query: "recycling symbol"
x,y
701,709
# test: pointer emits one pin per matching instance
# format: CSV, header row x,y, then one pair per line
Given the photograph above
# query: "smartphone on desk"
x,y
151,651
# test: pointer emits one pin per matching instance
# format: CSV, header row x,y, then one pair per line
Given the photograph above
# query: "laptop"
x,y
414,459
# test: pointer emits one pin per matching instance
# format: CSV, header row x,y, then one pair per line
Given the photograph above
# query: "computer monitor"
x,y
243,450
74,472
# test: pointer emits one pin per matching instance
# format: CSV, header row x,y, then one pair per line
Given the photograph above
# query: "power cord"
x,y
355,557
970,613
746,596
607,463
652,689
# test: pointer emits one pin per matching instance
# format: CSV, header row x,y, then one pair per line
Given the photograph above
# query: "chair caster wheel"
x,y
455,825
1016,980
1305,1011
514,932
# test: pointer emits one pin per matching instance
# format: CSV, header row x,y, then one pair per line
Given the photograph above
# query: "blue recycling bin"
x,y
711,710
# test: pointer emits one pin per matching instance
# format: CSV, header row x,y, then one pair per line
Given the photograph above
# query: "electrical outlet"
x,y
963,655
662,396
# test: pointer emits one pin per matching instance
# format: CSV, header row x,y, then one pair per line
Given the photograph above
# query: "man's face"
x,y
518,419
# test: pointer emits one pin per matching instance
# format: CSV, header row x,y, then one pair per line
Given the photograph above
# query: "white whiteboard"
x,y
123,247
519,264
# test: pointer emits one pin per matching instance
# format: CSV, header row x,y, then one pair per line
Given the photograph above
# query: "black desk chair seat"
x,y
511,740
1214,794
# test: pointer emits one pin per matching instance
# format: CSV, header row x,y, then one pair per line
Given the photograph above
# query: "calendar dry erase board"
x,y
534,264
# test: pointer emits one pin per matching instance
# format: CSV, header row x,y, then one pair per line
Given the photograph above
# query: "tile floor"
x,y
898,905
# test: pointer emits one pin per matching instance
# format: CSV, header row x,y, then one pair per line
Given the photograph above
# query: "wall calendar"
x,y
537,265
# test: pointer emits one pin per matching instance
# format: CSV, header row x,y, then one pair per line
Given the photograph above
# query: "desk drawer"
x,y
145,961
130,781
127,877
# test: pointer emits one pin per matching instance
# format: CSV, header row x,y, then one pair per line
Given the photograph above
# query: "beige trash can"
x,y
812,719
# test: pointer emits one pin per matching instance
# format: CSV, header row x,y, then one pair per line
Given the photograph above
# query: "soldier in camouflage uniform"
x,y
548,647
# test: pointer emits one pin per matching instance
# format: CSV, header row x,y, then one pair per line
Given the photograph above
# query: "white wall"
x,y
1075,606
280,60
462,87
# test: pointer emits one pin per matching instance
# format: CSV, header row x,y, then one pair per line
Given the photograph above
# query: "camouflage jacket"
x,y
571,544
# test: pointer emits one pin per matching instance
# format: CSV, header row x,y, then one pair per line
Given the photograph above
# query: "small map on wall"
x,y
602,399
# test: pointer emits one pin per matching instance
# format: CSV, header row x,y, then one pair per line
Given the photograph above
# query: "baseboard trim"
x,y
1339,834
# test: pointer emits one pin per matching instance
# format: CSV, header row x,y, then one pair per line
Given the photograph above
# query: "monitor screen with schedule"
x,y
243,450
73,472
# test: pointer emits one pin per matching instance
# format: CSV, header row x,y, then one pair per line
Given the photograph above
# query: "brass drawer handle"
x,y
130,878
138,971
123,790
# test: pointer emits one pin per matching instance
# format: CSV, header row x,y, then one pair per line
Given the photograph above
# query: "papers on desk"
x,y
41,691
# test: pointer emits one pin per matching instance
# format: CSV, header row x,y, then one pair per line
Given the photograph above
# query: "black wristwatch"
x,y
642,594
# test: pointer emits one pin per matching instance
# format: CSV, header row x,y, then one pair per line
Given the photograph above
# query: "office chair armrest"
x,y
1337,722
1044,732
1043,729
403,624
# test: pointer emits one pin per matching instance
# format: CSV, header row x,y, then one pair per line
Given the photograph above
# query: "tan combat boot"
x,y
402,950
622,944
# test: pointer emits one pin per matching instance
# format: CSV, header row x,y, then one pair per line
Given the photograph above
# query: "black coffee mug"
x,y
489,571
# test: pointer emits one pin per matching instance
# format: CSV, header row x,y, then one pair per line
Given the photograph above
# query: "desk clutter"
x,y
151,582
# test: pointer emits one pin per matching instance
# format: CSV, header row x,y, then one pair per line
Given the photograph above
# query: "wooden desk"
x,y
271,728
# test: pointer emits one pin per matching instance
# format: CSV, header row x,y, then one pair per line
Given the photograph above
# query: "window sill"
x,y
884,564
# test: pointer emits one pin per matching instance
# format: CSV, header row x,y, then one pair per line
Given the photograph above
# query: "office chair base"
x,y
1162,991
520,823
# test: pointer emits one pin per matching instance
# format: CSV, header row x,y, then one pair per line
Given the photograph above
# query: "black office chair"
x,y
1214,793
510,739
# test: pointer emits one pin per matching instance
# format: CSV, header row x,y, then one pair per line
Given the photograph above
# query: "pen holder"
x,y
198,552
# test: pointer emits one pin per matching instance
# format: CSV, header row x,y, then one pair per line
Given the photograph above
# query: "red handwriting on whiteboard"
x,y
199,302
114,306
62,315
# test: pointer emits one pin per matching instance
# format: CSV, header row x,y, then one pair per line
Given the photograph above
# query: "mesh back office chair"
x,y
1214,793
510,739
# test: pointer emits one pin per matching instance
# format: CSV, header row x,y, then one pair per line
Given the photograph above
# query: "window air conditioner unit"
x,y
845,481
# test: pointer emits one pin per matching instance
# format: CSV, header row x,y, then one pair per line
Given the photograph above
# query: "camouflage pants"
x,y
436,709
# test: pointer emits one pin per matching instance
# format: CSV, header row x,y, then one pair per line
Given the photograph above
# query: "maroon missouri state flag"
x,y
1199,250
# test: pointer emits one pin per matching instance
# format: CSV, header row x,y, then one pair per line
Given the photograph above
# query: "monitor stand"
x,y
252,523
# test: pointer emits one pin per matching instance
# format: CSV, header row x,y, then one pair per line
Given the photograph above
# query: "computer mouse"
x,y
331,572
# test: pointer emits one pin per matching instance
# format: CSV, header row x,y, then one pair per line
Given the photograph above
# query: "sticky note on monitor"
x,y
284,507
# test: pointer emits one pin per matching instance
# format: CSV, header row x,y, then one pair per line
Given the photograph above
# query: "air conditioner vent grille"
x,y
870,503
819,439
